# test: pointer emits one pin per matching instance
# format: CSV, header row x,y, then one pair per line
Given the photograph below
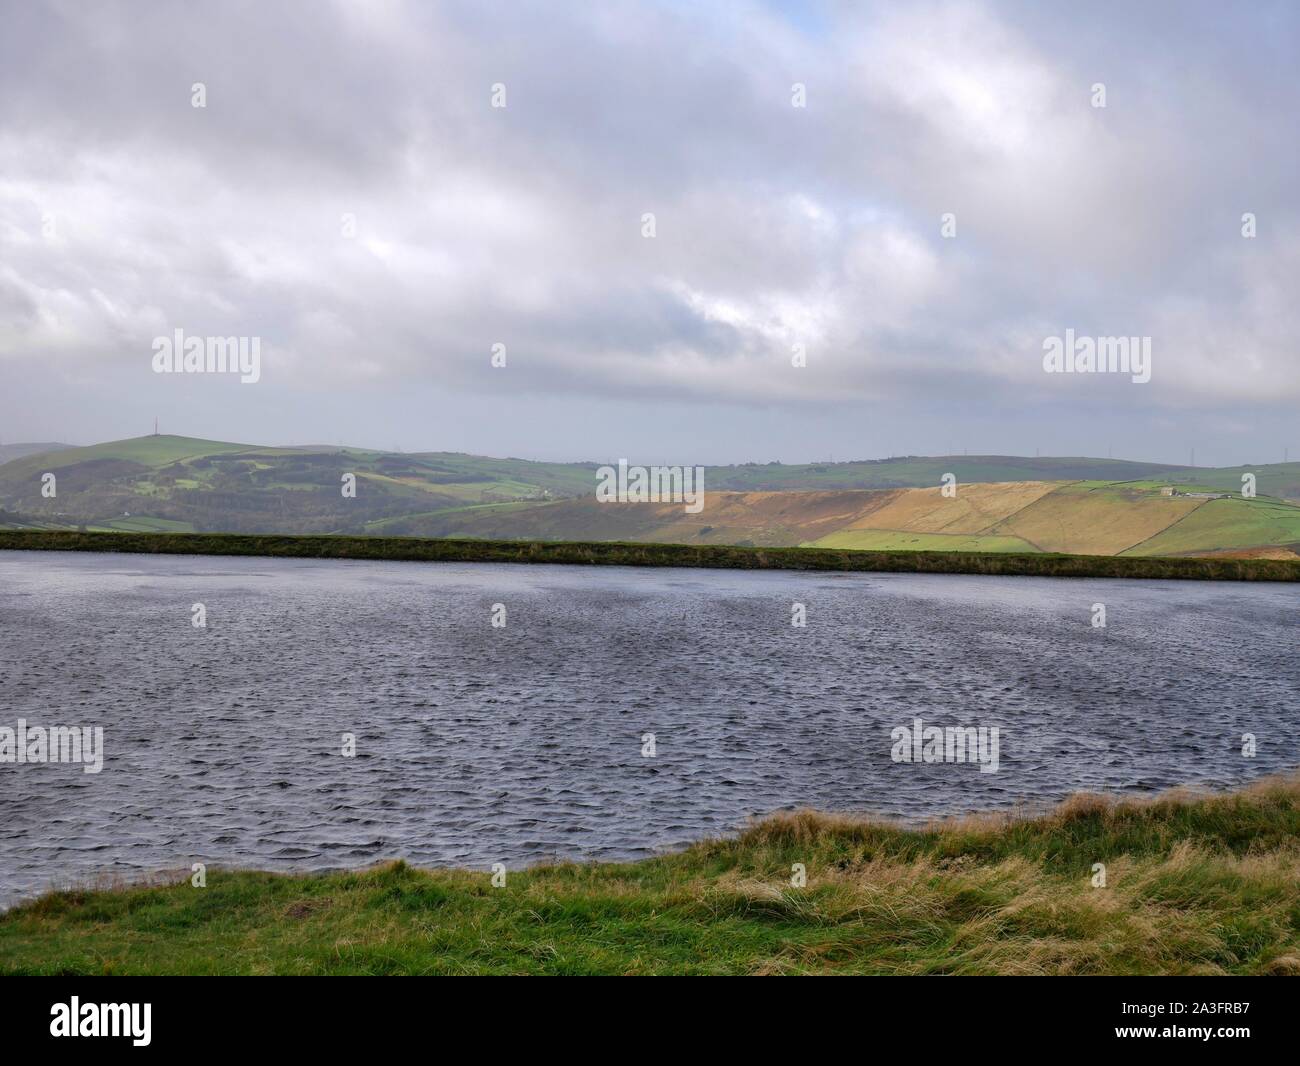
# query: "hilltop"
x,y
1004,503
9,452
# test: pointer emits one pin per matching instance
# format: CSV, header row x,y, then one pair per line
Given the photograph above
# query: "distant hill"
x,y
1074,504
183,483
17,451
1274,479
1079,517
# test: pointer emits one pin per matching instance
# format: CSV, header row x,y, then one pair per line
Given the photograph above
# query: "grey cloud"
x,y
776,226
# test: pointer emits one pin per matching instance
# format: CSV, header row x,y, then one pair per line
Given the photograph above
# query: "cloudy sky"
x,y
350,195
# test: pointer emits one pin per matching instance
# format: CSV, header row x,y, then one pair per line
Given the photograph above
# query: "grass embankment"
x,y
718,556
1203,885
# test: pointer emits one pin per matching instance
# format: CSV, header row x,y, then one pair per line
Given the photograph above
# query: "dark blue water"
x,y
478,745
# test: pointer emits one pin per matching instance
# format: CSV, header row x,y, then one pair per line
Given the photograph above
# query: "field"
x,y
897,540
1096,519
147,525
1193,885
1229,524
974,508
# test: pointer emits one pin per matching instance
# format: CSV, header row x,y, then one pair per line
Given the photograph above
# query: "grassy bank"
x,y
630,554
1193,886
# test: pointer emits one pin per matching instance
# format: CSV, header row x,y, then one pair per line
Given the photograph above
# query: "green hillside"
x,y
147,451
1273,479
184,483
1228,524
1005,503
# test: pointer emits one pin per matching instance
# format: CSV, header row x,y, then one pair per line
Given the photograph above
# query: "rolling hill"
x,y
182,483
1003,503
9,452
1086,518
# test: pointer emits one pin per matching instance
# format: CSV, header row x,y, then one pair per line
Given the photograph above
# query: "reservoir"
x,y
611,713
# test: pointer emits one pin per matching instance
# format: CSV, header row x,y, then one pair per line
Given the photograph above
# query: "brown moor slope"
x,y
974,509
1086,518
767,519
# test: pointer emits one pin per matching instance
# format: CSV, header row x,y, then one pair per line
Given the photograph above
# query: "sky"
x,y
702,233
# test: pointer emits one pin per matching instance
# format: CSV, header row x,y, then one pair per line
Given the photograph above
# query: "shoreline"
x,y
1177,883
622,553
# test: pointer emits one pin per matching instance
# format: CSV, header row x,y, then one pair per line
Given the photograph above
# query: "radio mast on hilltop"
x,y
155,426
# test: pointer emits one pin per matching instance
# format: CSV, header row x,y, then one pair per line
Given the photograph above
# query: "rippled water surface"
x,y
478,745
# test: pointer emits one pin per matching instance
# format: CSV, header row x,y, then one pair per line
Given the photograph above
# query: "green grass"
x,y
1232,523
1194,885
384,524
899,540
145,524
614,553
